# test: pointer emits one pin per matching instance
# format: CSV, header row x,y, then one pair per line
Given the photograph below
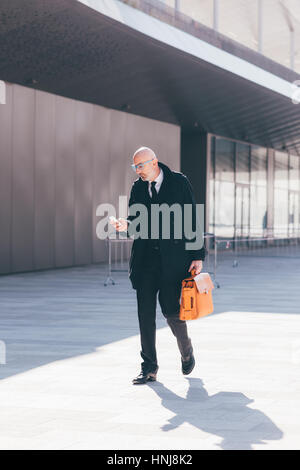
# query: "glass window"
x,y
293,219
238,199
258,165
276,31
224,188
294,195
224,209
242,210
258,210
211,228
258,191
281,195
281,208
242,163
294,173
224,160
281,176
238,20
170,3
200,11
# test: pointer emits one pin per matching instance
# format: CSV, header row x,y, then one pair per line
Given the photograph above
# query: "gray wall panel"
x,y
44,181
83,182
23,179
134,138
5,180
100,136
117,158
64,179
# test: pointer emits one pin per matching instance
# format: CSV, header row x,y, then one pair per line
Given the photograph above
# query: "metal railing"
x,y
269,246
219,248
118,256
118,248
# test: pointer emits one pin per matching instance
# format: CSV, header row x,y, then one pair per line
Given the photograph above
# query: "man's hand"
x,y
197,265
121,225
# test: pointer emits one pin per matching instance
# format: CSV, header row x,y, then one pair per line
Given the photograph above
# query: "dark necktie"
x,y
154,192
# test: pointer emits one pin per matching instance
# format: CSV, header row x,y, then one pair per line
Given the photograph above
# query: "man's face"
x,y
148,171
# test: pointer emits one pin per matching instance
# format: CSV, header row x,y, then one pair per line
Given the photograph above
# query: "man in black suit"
x,y
159,264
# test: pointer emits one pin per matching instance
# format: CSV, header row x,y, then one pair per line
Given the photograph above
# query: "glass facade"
x,y
281,195
240,191
270,30
294,196
286,195
258,191
224,187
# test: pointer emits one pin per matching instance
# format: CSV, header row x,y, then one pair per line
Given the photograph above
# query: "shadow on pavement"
x,y
225,414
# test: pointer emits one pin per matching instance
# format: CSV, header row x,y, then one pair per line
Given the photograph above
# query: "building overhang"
x,y
108,53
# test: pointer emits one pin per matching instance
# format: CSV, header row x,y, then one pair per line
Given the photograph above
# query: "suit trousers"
x,y
151,284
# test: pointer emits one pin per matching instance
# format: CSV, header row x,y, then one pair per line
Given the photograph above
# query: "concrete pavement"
x,y
72,348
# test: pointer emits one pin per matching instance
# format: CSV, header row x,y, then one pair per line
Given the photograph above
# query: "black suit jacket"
x,y
176,260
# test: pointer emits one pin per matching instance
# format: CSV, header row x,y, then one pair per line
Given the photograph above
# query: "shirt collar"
x,y
159,178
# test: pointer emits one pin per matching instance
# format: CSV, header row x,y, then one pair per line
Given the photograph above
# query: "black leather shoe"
x,y
188,365
144,377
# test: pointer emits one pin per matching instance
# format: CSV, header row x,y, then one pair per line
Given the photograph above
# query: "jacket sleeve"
x,y
188,198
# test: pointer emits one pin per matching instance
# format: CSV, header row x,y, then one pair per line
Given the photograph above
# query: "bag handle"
x,y
193,274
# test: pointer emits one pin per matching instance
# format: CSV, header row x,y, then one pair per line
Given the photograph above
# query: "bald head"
x,y
144,152
150,170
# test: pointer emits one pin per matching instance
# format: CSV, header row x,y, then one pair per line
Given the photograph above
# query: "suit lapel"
x,y
146,195
164,192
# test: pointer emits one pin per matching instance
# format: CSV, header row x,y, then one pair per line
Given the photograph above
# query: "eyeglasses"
x,y
139,166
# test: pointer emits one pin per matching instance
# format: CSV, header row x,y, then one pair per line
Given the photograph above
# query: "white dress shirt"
x,y
158,180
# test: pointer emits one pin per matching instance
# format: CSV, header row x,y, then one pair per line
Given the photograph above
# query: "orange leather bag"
x,y
196,296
